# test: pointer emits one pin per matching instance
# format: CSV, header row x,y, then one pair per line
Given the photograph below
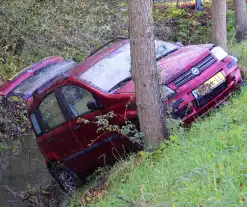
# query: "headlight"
x,y
219,53
167,92
232,62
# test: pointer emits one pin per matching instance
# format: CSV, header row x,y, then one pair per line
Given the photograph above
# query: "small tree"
x,y
241,19
219,32
145,74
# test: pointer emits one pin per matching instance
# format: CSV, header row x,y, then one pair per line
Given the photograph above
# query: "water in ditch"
x,y
26,169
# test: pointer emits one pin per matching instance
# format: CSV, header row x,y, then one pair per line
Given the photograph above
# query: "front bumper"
x,y
191,111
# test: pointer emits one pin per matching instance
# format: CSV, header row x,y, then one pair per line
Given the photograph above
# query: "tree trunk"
x,y
219,32
145,74
241,19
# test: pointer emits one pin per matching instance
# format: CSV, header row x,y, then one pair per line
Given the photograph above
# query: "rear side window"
x,y
43,76
51,113
35,124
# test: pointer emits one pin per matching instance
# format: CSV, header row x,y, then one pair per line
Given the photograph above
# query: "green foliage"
x,y
13,65
128,129
187,26
240,51
4,148
230,17
37,29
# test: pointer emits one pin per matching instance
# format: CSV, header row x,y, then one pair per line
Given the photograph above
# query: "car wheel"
x,y
66,178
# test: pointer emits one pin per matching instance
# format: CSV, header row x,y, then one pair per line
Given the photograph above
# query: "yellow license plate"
x,y
209,85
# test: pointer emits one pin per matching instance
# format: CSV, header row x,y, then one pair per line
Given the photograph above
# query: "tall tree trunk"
x,y
145,74
241,19
219,32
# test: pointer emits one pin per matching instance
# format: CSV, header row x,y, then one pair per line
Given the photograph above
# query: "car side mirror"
x,y
179,44
93,105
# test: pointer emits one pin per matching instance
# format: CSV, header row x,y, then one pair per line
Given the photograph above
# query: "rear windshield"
x,y
32,83
115,67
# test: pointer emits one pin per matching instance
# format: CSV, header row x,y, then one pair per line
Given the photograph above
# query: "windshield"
x,y
46,74
115,67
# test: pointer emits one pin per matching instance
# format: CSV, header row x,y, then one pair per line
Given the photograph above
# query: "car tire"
x,y
66,178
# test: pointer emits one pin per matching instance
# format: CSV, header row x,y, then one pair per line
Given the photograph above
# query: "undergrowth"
x,y
73,29
13,65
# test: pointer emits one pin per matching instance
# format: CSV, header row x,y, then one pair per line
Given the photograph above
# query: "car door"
x,y
97,145
56,140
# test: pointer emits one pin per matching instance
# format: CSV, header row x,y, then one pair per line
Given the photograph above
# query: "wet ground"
x,y
25,170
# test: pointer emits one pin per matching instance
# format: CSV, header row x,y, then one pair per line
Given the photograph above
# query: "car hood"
x,y
175,64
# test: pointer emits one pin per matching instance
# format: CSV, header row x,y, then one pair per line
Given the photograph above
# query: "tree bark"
x,y
145,74
219,32
241,19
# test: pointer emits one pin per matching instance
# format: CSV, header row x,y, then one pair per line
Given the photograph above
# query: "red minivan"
x,y
196,78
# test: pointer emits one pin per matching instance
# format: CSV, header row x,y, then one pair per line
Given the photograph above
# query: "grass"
x,y
13,65
204,166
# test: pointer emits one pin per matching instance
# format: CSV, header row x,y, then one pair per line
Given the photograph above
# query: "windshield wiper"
x,y
120,84
163,55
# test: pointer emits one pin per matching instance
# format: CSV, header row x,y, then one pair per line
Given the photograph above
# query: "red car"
x,y
25,82
196,78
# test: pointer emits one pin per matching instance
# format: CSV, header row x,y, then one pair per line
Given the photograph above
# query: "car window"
x,y
116,66
50,112
77,98
43,76
35,124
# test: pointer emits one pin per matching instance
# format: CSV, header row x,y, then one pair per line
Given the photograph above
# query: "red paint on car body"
x,y
82,148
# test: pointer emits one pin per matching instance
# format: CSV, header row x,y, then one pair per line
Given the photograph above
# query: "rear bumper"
x,y
192,111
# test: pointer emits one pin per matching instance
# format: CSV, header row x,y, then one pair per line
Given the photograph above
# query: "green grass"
x,y
14,64
240,51
204,166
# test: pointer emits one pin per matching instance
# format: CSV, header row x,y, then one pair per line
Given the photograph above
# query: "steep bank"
x,y
204,166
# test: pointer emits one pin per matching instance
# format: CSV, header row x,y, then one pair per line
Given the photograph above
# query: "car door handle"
x,y
51,140
76,127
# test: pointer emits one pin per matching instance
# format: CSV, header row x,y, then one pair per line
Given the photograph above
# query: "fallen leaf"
x,y
139,158
241,200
